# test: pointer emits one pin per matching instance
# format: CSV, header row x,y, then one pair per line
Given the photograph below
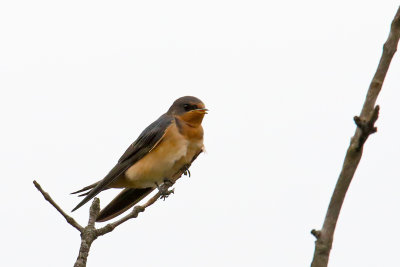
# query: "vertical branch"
x,y
365,127
88,235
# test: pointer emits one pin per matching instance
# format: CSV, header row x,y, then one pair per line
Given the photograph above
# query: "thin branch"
x,y
133,214
137,209
365,126
69,219
90,233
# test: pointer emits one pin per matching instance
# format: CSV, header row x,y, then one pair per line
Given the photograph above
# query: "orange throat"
x,y
192,118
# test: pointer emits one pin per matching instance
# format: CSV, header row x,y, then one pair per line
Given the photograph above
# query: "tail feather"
x,y
123,201
86,188
84,194
87,193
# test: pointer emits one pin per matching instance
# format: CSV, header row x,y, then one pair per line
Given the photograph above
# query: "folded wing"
x,y
147,140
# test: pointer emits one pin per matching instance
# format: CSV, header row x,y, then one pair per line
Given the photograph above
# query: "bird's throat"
x,y
192,119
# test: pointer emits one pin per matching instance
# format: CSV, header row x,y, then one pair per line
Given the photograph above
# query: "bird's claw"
x,y
164,189
185,169
166,193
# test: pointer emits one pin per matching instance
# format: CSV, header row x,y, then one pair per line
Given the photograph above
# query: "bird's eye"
x,y
187,107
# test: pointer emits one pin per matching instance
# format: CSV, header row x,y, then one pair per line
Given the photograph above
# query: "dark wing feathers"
x,y
146,141
123,201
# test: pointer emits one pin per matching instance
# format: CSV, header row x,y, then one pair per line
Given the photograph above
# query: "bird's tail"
x,y
86,188
123,201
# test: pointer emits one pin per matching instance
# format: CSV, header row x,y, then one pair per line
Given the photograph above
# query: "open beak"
x,y
201,110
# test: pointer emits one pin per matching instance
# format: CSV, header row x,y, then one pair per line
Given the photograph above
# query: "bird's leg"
x,y
163,189
185,169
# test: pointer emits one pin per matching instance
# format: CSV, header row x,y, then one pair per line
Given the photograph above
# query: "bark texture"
x,y
365,126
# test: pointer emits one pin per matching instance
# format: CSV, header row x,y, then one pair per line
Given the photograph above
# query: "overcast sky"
x,y
80,80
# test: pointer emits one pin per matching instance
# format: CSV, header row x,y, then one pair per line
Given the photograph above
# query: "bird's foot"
x,y
164,189
185,169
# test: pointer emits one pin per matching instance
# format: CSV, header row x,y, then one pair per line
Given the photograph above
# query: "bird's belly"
x,y
162,162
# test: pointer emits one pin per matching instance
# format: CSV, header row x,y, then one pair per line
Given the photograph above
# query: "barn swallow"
x,y
166,147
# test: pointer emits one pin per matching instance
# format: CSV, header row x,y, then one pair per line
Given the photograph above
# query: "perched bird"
x,y
166,147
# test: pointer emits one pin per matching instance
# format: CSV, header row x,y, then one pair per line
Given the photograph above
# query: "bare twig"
x,y
365,126
90,233
137,209
133,214
69,219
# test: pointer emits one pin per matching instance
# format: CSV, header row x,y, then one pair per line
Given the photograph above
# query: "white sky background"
x,y
81,79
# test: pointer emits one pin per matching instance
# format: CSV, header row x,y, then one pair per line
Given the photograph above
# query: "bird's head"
x,y
189,109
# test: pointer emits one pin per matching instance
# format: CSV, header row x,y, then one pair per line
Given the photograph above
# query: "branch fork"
x,y
90,232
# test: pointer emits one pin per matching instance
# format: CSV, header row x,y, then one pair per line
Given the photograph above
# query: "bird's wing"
x,y
125,200
147,140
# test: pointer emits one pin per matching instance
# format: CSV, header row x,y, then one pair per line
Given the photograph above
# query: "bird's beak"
x,y
201,110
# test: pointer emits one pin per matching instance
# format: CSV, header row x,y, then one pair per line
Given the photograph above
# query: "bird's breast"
x,y
164,160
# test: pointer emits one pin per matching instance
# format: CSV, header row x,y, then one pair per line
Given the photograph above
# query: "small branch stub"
x,y
367,127
316,233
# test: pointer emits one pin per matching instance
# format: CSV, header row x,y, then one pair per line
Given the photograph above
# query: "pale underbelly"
x,y
163,162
